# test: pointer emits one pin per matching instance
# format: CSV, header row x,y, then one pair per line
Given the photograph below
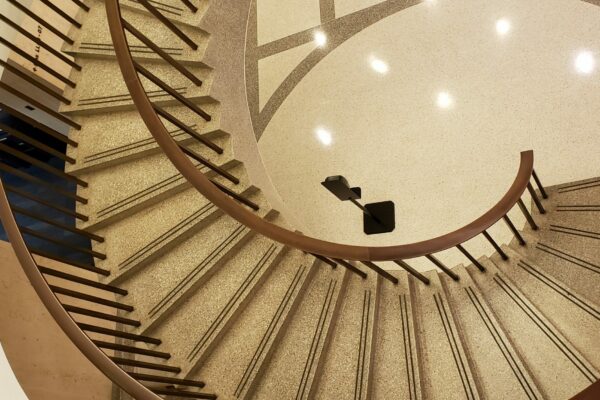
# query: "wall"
x,y
47,365
226,21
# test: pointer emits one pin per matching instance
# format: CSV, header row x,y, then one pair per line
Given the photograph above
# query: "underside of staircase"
x,y
254,319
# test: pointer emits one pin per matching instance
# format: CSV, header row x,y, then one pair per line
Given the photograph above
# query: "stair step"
x,y
163,284
447,372
98,91
576,317
200,321
175,10
348,368
255,336
94,37
586,191
103,142
396,372
164,229
565,266
500,372
139,183
299,357
558,368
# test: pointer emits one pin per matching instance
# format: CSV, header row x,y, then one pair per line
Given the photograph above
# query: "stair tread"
x,y
174,10
95,38
446,370
109,139
347,370
159,287
291,372
497,366
142,181
396,366
200,320
95,95
151,228
256,334
576,318
557,376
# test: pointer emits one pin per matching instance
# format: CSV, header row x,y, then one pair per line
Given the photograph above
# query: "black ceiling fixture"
x,y
377,217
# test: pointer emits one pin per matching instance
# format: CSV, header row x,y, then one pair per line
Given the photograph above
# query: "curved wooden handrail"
x,y
277,233
592,392
60,315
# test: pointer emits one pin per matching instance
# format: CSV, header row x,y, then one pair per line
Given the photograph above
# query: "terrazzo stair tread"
x,y
396,372
497,367
348,367
174,10
109,139
199,322
158,192
586,191
153,175
445,368
300,354
563,265
581,241
559,370
98,91
236,365
94,37
577,318
164,227
176,273
574,204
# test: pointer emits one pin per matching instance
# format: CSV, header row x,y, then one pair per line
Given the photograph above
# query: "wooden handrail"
x,y
60,315
277,233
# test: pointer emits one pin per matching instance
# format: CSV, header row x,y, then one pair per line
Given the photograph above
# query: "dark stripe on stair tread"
x,y
316,339
174,231
408,353
236,296
546,329
452,341
579,186
132,46
362,348
121,98
504,348
560,289
145,192
164,7
132,146
199,268
565,256
575,231
270,330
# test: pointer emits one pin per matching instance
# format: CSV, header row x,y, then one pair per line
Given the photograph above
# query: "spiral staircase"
x,y
189,285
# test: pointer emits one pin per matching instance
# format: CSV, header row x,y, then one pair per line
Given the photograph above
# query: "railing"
x,y
79,332
86,309
321,249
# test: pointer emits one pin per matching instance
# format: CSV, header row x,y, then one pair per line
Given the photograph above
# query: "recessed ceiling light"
x,y
503,26
444,100
324,136
379,66
585,63
320,38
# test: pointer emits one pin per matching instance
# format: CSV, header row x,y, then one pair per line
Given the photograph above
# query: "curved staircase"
x,y
214,308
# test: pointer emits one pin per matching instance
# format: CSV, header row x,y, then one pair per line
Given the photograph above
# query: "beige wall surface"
x,y
42,33
47,365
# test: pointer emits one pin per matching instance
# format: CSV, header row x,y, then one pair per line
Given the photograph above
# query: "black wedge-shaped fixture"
x,y
377,217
